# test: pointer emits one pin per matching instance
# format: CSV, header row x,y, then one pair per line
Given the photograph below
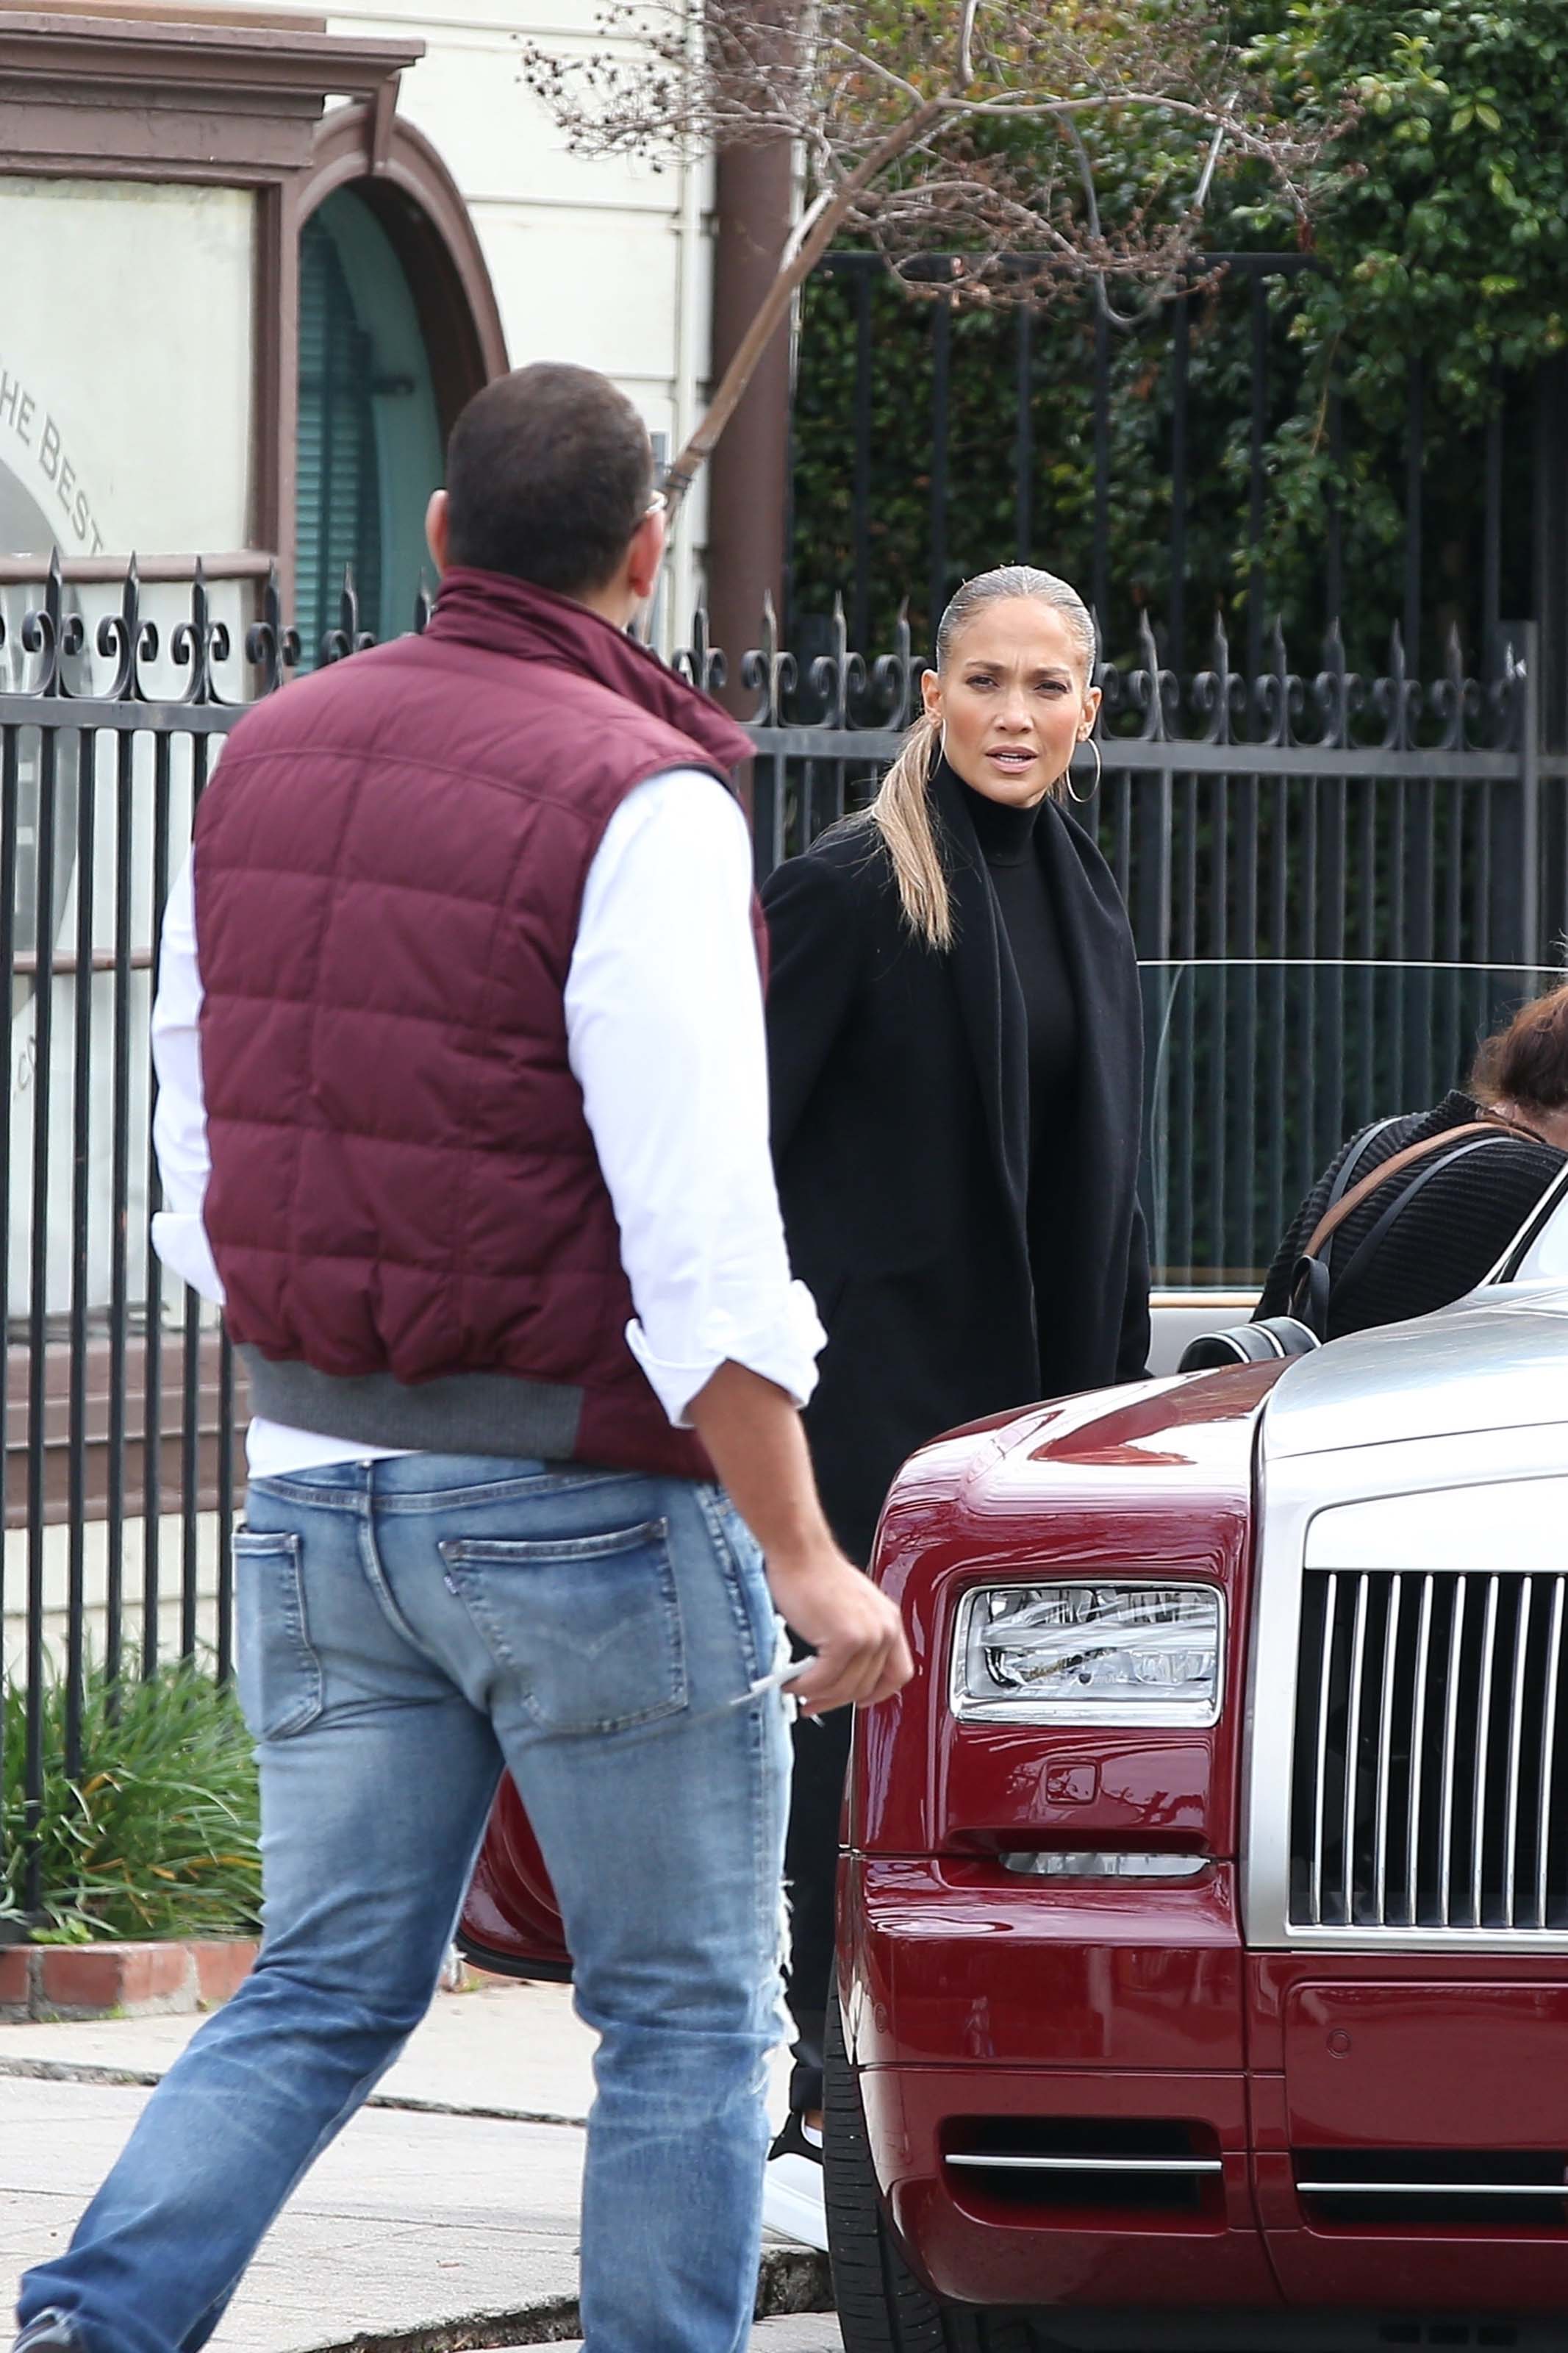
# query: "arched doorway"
x,y
368,449
397,327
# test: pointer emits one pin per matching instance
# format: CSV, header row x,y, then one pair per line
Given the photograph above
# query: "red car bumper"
x,y
1184,2094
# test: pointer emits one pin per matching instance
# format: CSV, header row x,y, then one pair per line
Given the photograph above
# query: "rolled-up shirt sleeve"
x,y
664,1035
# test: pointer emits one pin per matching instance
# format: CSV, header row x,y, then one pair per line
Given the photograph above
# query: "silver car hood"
x,y
1495,1360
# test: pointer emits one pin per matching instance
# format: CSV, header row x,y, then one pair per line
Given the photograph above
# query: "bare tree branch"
x,y
867,64
913,118
966,44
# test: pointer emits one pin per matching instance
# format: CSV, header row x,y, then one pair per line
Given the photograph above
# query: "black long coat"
x,y
900,1125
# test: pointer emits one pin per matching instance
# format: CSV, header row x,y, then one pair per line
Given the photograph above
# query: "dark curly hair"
x,y
1527,1062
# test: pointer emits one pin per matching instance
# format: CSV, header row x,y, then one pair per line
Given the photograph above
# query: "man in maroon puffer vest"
x,y
463,1116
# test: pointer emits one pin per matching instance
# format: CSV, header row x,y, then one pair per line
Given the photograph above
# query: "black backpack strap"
x,y
1355,1153
1309,1294
1360,1262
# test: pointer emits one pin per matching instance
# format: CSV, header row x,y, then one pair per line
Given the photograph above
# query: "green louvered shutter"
x,y
337,503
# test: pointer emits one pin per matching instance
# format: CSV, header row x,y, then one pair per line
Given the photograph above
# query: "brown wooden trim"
x,y
226,101
219,57
64,963
397,172
285,321
383,114
235,564
421,207
191,12
56,1428
275,346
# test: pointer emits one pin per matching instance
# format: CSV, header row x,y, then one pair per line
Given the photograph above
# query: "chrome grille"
x,y
1430,1779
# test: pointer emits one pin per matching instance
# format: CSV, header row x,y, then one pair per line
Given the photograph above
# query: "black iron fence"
x,y
1172,458
1336,884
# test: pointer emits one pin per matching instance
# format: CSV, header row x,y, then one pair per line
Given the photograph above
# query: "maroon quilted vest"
x,y
415,1242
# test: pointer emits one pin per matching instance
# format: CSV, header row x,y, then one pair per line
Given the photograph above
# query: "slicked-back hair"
x,y
901,811
549,471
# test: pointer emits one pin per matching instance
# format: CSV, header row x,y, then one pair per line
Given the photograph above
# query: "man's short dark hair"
x,y
549,470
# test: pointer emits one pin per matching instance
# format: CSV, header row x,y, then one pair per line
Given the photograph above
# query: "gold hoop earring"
x,y
1081,800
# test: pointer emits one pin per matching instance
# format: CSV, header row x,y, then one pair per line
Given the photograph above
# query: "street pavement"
x,y
448,2210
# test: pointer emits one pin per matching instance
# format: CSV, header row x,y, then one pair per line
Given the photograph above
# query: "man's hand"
x,y
857,1632
752,1430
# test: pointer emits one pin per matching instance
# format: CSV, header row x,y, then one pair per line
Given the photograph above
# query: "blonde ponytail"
x,y
902,812
902,815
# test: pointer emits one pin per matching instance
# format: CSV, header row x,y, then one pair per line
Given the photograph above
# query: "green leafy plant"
x,y
1443,223
158,1833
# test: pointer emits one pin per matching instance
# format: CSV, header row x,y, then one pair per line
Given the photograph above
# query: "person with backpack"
x,y
1417,1210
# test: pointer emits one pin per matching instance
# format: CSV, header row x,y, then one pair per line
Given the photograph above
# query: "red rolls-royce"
x,y
1204,1923
1204,1955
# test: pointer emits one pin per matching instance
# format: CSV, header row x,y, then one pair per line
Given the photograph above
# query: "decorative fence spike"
x,y
767,672
839,678
893,676
844,691
270,645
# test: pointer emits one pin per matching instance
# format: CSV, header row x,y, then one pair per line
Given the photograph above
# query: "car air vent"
x,y
1483,2335
1416,2189
1430,1781
1067,2165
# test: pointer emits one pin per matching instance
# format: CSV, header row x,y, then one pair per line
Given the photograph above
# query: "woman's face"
x,y
1013,700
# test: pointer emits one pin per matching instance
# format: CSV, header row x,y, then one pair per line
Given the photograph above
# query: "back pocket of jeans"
x,y
590,1625
277,1672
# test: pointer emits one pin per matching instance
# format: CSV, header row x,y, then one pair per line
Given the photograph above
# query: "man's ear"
x,y
644,555
437,528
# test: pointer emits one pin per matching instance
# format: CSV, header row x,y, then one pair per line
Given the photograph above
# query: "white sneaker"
x,y
792,2186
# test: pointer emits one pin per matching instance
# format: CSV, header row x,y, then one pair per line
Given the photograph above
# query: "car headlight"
x,y
1086,1653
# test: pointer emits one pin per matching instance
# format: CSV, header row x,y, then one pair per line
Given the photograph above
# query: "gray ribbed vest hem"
x,y
461,1413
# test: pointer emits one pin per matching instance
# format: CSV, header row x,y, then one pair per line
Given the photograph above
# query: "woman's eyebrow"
x,y
1040,669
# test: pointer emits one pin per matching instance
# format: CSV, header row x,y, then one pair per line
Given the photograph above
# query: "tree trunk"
x,y
774,308
748,492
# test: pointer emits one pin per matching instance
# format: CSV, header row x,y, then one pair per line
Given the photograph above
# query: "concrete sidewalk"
x,y
445,2214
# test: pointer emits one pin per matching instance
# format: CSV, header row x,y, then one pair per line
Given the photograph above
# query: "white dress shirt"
x,y
664,1035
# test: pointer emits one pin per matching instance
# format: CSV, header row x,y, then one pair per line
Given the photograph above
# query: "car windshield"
x,y
1257,1071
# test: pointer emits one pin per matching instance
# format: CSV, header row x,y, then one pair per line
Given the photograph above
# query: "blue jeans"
x,y
407,1627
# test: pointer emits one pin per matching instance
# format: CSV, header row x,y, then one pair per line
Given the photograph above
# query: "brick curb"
x,y
42,1984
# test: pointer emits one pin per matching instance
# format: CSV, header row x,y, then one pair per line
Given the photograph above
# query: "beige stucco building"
x,y
256,258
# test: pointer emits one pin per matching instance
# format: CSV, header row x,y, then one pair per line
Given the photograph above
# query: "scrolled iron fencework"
x,y
1336,884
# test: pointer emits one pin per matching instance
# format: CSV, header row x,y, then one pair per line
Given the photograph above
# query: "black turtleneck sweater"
x,y
1007,840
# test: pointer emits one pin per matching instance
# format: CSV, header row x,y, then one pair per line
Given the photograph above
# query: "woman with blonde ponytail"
x,y
956,1063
